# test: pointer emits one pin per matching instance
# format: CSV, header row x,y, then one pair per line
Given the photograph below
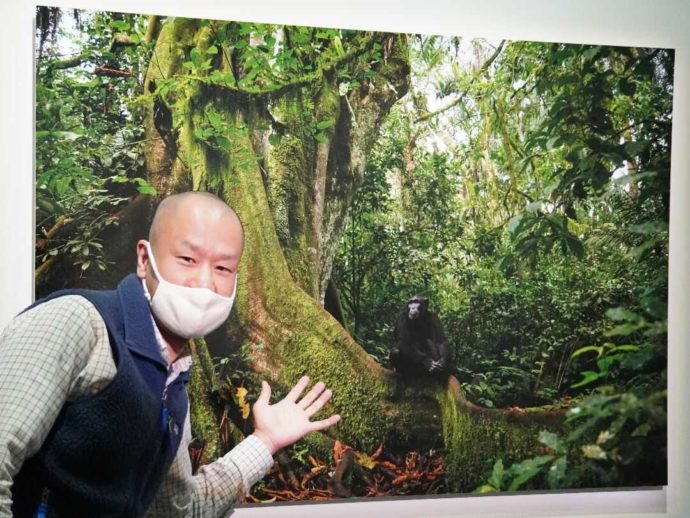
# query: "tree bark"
x,y
292,195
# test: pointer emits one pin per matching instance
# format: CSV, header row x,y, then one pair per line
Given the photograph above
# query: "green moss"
x,y
357,393
319,445
173,36
299,337
288,185
202,414
288,165
474,441
328,104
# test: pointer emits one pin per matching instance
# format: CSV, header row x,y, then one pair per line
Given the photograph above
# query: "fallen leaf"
x,y
241,394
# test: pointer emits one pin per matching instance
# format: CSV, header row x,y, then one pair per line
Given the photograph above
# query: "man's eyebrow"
x,y
196,249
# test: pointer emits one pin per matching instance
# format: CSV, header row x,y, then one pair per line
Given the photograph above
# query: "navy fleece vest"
x,y
107,454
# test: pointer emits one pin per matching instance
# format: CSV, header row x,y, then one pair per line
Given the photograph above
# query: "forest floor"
x,y
376,475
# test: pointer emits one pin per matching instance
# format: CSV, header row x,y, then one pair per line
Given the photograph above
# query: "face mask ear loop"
x,y
152,260
234,288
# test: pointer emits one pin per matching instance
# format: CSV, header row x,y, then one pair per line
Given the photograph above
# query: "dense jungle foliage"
x,y
530,204
522,187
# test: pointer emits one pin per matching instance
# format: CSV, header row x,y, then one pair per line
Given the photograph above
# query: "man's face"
x,y
198,245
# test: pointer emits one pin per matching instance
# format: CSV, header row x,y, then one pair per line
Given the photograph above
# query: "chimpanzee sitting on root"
x,y
420,345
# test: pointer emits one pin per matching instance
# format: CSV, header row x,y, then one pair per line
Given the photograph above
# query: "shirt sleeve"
x,y
216,486
44,354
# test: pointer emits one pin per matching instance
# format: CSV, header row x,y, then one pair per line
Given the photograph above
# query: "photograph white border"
x,y
661,23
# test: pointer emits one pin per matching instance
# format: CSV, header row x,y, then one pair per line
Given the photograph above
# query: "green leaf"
x,y
147,189
655,307
591,54
595,348
120,25
621,314
67,135
649,227
534,206
575,246
320,137
485,489
556,473
553,142
497,474
274,139
593,451
214,118
642,430
552,440
622,330
325,124
513,223
212,50
641,249
634,148
526,470
587,378
223,143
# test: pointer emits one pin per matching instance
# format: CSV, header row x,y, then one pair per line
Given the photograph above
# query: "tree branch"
x,y
457,101
299,82
72,62
42,244
38,273
111,72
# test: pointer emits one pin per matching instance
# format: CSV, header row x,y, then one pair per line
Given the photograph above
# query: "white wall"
x,y
660,23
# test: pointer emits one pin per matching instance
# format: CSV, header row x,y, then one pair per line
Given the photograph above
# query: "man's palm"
x,y
287,421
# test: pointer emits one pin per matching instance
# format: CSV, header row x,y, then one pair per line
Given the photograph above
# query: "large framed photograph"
x,y
465,237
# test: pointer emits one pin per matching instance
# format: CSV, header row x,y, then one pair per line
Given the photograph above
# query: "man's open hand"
x,y
287,421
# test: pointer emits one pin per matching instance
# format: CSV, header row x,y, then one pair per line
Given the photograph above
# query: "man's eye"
x,y
223,269
186,259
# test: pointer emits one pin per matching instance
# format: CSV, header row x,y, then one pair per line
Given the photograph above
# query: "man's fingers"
x,y
315,391
265,395
297,389
324,423
319,403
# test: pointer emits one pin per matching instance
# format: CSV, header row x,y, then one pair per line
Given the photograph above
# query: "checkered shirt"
x,y
58,352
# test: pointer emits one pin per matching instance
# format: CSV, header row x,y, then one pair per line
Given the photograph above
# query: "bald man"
x,y
94,415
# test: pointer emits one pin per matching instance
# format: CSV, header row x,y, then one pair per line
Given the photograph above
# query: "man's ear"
x,y
142,258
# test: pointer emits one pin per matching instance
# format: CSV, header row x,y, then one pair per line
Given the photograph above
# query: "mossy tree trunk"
x,y
289,159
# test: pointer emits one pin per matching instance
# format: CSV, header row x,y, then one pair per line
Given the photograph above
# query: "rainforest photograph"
x,y
466,239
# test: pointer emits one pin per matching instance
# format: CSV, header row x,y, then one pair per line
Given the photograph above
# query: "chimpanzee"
x,y
420,345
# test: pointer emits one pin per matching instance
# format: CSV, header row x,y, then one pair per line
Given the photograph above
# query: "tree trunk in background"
x,y
292,193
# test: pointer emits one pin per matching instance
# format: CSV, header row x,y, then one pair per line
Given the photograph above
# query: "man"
x,y
94,416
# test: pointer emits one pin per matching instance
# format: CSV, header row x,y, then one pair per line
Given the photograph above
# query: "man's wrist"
x,y
264,438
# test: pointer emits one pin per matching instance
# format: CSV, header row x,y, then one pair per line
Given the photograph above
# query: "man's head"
x,y
196,241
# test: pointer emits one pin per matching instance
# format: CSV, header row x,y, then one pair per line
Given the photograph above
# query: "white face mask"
x,y
187,312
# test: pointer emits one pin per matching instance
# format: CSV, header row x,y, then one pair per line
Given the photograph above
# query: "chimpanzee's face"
x,y
414,308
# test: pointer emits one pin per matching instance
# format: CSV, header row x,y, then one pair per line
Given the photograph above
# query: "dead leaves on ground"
x,y
379,474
